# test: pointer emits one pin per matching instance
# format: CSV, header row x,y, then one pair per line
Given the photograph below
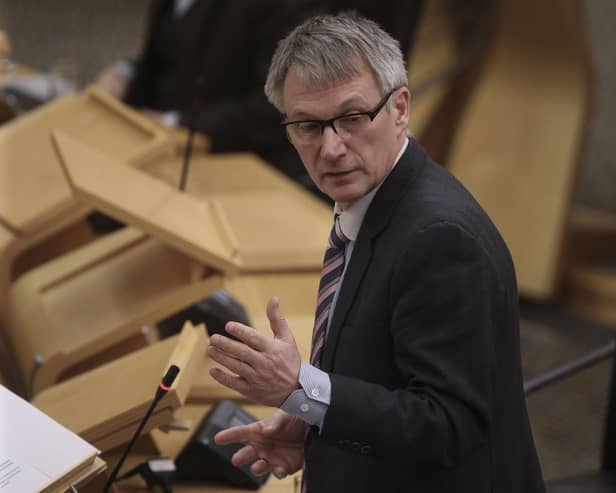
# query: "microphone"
x,y
163,387
167,381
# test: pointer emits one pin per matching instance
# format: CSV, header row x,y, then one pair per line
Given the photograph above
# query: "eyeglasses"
x,y
305,132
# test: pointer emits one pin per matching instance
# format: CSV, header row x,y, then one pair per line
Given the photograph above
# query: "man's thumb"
x,y
278,323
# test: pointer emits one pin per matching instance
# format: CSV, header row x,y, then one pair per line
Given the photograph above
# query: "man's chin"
x,y
344,195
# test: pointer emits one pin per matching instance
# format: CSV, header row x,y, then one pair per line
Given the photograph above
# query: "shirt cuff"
x,y
310,403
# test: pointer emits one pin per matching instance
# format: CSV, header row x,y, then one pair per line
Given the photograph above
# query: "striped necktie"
x,y
333,266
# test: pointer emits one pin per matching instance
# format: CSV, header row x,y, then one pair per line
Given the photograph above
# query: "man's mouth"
x,y
338,173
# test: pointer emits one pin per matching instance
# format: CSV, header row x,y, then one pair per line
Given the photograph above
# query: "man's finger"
x,y
245,455
231,381
237,349
278,323
237,434
260,467
233,364
247,335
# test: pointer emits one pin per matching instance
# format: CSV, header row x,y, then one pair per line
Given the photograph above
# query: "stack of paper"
x,y
37,453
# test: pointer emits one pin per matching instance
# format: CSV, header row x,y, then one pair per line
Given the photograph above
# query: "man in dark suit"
x,y
414,382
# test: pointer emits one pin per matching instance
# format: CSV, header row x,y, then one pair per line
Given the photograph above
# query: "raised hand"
x,y
264,369
274,444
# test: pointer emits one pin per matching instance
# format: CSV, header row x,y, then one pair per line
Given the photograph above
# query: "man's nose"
x,y
332,146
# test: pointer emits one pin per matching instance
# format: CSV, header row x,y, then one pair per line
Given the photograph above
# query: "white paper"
x,y
38,447
19,478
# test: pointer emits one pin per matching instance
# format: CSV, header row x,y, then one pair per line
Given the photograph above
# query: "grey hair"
x,y
328,49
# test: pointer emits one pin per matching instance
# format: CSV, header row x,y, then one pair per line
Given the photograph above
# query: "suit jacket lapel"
x,y
377,216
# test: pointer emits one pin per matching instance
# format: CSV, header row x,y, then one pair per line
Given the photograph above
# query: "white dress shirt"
x,y
312,400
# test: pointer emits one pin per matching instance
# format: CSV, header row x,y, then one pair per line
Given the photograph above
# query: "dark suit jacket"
x,y
211,65
423,351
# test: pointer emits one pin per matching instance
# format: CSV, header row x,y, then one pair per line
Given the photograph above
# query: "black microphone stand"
x,y
162,389
193,112
192,123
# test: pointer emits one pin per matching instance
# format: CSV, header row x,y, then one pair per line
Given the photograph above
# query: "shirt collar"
x,y
352,218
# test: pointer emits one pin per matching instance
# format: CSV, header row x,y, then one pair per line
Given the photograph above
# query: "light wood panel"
x,y
434,52
519,139
105,405
274,232
252,231
8,369
276,223
36,189
228,173
190,225
451,42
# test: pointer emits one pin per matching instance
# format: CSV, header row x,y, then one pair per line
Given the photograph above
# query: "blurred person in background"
x,y
203,66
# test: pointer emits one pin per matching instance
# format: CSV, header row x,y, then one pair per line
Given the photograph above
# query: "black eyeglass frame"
x,y
330,123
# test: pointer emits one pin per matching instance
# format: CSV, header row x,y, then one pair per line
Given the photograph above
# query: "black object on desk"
x,y
214,311
203,460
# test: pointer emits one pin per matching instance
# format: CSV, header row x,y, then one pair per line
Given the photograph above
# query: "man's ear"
x,y
401,107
